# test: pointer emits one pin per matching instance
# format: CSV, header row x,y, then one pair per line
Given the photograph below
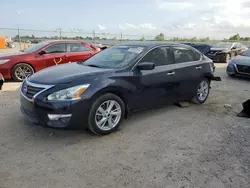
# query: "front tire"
x,y
202,91
21,71
106,114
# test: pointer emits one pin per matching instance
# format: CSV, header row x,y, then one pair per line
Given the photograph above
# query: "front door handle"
x,y
198,68
170,73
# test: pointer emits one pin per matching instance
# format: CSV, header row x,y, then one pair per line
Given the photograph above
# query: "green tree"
x,y
142,38
235,37
160,37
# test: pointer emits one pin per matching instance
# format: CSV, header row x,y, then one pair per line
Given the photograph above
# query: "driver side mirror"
x,y
42,52
234,47
146,66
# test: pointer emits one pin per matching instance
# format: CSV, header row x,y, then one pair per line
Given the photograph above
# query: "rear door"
x,y
77,51
56,54
188,69
156,86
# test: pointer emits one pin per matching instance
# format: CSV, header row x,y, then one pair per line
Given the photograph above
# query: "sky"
x,y
175,18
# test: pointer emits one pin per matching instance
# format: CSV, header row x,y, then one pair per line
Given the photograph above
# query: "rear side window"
x,y
160,56
56,48
182,54
197,56
77,47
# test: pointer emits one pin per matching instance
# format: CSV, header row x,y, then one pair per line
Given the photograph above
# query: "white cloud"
x,y
139,26
174,5
101,27
215,17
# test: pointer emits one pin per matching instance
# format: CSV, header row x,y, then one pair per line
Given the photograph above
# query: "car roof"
x,y
149,44
55,41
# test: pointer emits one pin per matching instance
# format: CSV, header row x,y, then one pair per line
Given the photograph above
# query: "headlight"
x,y
2,61
72,93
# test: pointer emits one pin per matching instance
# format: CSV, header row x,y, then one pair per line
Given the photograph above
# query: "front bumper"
x,y
232,70
5,73
69,114
217,57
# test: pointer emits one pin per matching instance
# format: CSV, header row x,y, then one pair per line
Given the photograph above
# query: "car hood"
x,y
219,49
66,73
11,55
241,60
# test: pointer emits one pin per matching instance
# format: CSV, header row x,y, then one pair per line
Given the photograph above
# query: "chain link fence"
x,y
24,37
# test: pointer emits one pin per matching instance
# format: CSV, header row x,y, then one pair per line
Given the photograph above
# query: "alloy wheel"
x,y
202,91
23,72
108,115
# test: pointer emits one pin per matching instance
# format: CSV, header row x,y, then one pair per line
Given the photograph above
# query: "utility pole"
x,y
93,36
19,39
60,30
121,36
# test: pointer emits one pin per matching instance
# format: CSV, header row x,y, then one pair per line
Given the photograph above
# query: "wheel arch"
x,y
116,90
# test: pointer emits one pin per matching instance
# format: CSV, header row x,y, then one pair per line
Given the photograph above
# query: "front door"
x,y
157,86
56,54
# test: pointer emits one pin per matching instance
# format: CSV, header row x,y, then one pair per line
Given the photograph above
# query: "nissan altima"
x,y
99,93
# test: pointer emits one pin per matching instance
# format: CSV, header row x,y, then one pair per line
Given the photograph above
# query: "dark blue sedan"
x,y
240,65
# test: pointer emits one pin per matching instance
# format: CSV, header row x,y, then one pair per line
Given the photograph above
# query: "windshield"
x,y
223,45
34,47
246,53
114,57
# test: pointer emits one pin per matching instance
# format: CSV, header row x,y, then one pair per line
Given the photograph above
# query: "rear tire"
x,y
202,91
106,114
21,71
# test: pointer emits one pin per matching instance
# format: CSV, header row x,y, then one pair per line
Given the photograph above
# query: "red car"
x,y
19,65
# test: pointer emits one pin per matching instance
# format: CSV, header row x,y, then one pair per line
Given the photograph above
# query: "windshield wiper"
x,y
94,66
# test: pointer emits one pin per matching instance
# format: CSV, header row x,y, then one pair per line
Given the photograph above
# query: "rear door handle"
x,y
198,67
170,73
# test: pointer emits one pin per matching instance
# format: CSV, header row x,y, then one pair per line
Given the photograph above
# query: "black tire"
x,y
92,126
196,99
227,58
17,67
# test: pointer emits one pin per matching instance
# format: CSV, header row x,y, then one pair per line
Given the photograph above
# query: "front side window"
x,y
182,54
159,56
77,47
114,57
56,48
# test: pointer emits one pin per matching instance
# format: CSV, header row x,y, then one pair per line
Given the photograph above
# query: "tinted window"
x,y
77,47
56,48
182,54
160,56
197,56
246,53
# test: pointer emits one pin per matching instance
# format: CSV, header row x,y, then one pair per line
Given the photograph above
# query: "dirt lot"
x,y
199,146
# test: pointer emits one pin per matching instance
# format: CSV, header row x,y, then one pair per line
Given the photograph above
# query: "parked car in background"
x,y
98,93
202,47
42,55
224,51
1,81
240,65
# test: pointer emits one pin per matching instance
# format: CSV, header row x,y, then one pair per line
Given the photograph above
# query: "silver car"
x,y
240,65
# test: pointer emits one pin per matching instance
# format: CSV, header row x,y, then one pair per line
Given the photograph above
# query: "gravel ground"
x,y
199,146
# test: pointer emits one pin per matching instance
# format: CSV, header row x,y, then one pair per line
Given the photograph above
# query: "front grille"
x,y
29,90
243,69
